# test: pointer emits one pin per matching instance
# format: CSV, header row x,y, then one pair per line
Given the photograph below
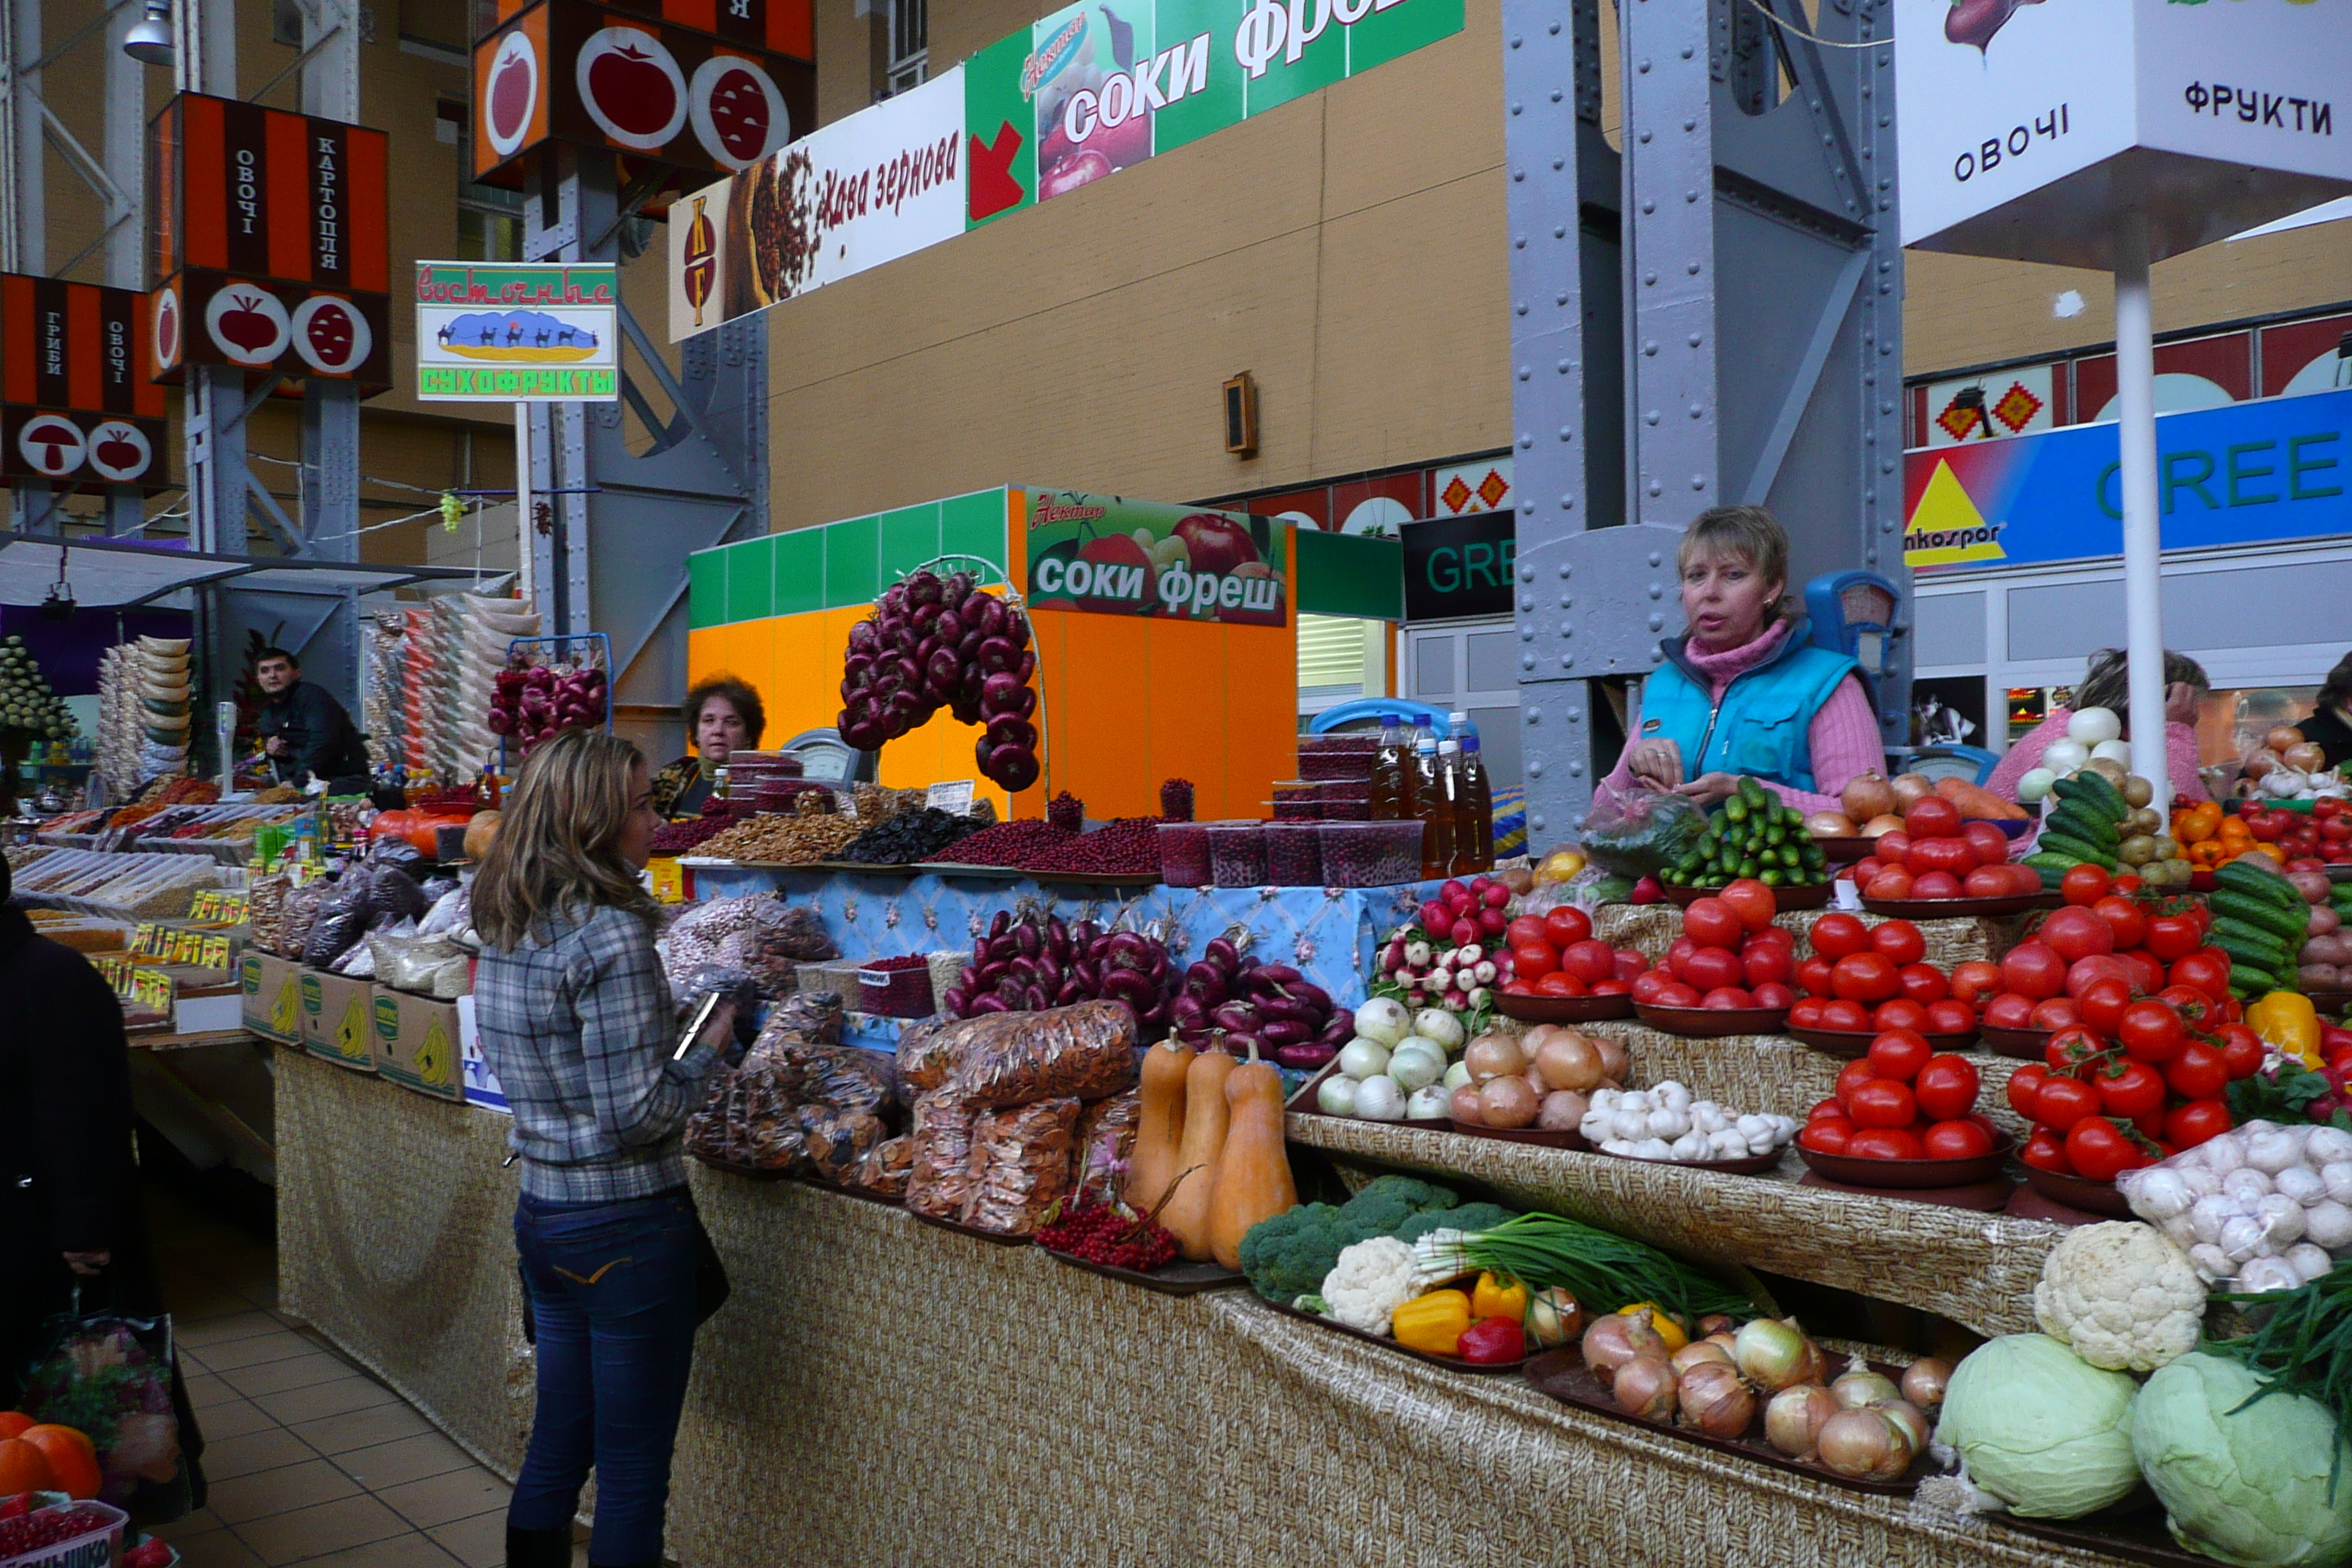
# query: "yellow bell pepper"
x,y
1672,1332
1431,1323
1494,1298
2287,1022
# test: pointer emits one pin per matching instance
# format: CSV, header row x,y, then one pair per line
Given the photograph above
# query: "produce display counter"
x,y
880,1391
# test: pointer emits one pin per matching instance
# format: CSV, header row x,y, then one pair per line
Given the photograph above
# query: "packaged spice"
x,y
1020,1165
1105,1138
939,1171
836,1141
883,1168
1086,1051
1294,854
1237,854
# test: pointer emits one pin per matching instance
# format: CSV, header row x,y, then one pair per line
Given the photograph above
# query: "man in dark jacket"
x,y
305,731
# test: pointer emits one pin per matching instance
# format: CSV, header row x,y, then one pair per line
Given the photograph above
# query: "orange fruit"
x,y
23,1467
73,1462
13,1423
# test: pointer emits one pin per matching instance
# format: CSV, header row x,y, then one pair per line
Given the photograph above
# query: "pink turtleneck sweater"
x,y
1844,735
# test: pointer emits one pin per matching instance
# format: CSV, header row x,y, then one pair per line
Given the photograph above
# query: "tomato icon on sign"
x,y
166,329
52,444
511,95
119,451
632,87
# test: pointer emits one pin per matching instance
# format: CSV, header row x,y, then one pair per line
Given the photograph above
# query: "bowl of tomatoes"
x,y
1903,1115
1562,973
1862,980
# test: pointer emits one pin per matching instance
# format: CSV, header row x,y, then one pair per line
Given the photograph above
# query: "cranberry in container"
x,y
1184,854
1294,854
1237,854
1371,854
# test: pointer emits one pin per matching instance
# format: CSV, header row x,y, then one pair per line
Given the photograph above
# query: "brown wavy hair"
x,y
556,855
740,696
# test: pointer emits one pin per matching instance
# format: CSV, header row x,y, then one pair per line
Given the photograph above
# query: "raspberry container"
x,y
1317,766
897,988
1346,740
1372,854
69,1536
1237,854
1184,854
1294,854
1304,811
1299,789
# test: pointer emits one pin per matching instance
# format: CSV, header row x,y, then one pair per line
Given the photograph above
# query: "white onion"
x,y
2034,785
1457,1076
1428,1104
1362,1059
1416,1065
2092,725
1383,1020
2065,756
1380,1099
2116,752
1336,1096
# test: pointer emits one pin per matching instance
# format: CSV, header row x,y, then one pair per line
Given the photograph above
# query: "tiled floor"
x,y
310,1459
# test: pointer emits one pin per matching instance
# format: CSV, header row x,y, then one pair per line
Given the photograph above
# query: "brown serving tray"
x,y
2075,1193
1954,909
2137,1534
1855,1044
1562,1374
1753,1165
1710,1022
1181,1278
2016,1045
1848,1171
1814,897
997,1236
1564,1009
1843,850
1546,1138
1451,1364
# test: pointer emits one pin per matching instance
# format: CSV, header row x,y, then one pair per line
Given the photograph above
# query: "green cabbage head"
x,y
2248,1487
2040,1428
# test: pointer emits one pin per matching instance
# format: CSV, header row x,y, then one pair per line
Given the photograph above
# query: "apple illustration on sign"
x,y
248,324
331,335
52,444
739,116
632,87
510,96
166,329
1215,544
119,451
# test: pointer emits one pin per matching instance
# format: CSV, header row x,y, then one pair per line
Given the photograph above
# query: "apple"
x,y
739,113
1217,545
510,96
1071,173
630,84
1120,550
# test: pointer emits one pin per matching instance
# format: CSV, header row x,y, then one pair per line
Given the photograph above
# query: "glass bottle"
x,y
1433,800
1389,766
1474,836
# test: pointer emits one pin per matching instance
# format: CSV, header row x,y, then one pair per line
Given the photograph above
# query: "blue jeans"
x,y
612,1292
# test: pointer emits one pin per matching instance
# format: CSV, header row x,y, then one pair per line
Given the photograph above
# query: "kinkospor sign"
x,y
1112,556
77,405
517,332
268,234
1082,93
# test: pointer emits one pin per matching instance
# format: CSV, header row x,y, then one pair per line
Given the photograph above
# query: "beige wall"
x,y
1343,248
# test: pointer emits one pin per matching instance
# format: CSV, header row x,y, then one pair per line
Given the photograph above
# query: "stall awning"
x,y
116,574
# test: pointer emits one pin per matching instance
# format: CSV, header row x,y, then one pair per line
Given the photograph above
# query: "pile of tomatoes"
x,y
1730,955
1862,978
2107,944
1902,1101
2129,1087
1936,854
1556,954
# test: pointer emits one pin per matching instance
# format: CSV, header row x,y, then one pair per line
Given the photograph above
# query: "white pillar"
x,y
2143,543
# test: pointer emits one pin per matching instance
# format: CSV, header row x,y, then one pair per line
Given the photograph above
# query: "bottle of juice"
x,y
1389,766
1433,782
1474,836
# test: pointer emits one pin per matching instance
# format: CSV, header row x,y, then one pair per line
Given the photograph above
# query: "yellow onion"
x,y
1917,1429
1697,1351
1614,1340
1714,1400
1645,1386
1864,1444
1553,1317
1773,1354
1924,1382
1862,1386
1792,1421
1715,1324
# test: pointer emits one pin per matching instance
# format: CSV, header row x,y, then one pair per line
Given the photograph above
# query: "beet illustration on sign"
x,y
1974,22
119,451
632,87
248,324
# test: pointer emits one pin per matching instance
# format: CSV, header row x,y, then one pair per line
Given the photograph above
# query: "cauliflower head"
x,y
1371,1281
2122,1295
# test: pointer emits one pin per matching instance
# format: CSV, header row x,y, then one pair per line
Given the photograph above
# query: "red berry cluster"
x,y
1098,1233
30,1531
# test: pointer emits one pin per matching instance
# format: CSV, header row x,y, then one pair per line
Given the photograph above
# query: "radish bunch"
x,y
936,642
537,702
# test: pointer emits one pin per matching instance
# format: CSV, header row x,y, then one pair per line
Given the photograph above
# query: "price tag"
x,y
151,989
215,953
149,941
116,971
955,797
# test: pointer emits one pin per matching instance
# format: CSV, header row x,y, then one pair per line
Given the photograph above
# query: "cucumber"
x,y
2060,844
2290,925
2247,981
2249,944
2103,798
2053,877
2051,860
2270,887
2072,821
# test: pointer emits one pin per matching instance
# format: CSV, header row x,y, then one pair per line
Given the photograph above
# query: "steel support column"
x,y
125,148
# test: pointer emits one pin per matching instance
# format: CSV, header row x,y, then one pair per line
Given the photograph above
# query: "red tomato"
x,y
2194,1006
1528,931
2146,972
2009,1011
2058,1013
1957,1140
2085,973
1534,961
2085,885
1589,960
2205,970
1898,1054
2033,970
2023,1085
1886,1143
1836,934
1975,980
1931,816
1864,977
1767,962
2196,1121
1936,885
1852,1076
2151,1031
2098,1149
1832,1107
1649,983
1899,1013
2103,1004
1805,1013
1829,1135
1611,987
2073,1051
1772,994
2060,1102
1711,922
1987,882
1629,963
1711,967
2197,1073
1892,847
1565,925
2075,933
1752,900
1813,974
2124,918
1724,998
1952,857
2126,884
1677,952
2133,1089
1882,1102
2044,1151
1559,982
1897,942
1518,988
1946,1088
1848,1017
1675,993
1950,1018
1863,871
1891,884
1991,844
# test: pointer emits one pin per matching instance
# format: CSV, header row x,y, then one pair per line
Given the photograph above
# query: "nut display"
x,y
784,840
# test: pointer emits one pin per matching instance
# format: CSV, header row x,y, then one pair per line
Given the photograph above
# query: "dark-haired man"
x,y
305,732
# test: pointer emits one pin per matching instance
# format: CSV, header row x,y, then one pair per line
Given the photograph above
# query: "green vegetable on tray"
x,y
1604,1272
1750,834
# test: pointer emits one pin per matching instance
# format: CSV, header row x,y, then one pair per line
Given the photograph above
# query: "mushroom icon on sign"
x,y
52,444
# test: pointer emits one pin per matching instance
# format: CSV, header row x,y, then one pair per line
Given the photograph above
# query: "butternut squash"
x,y
1159,1132
1185,1209
1253,1172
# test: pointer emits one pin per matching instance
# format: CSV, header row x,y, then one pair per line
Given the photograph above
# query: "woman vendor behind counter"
x,y
1744,691
723,715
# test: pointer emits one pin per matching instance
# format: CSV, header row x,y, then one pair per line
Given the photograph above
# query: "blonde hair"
x,y
1747,534
555,854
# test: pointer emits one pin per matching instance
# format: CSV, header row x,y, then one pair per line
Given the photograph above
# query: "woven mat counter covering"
x,y
881,1392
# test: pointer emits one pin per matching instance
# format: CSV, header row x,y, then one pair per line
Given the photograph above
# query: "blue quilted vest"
x,y
1763,726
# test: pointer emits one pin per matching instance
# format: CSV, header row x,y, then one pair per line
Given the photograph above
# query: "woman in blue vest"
x,y
1743,692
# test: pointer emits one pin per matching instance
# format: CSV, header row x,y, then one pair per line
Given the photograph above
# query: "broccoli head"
x,y
1287,1255
1472,1217
1387,1201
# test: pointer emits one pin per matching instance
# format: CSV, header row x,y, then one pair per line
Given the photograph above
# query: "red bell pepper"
x,y
1492,1341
